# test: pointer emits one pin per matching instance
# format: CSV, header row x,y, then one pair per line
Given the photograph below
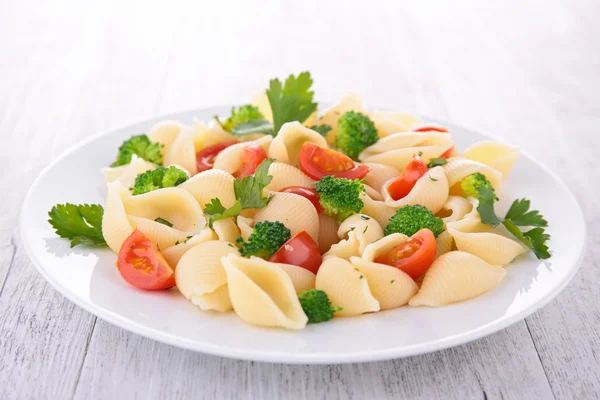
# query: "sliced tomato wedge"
x,y
251,157
205,158
448,153
317,162
402,186
309,194
142,265
301,250
414,256
428,128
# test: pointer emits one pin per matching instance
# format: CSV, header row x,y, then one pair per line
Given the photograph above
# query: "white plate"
x,y
90,279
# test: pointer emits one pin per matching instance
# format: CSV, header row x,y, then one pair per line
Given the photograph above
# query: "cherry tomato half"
x,y
415,256
402,186
142,265
309,194
205,158
251,157
448,153
317,162
428,128
301,250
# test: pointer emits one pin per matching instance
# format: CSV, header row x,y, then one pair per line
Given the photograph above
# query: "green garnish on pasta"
x,y
292,101
158,178
141,146
80,223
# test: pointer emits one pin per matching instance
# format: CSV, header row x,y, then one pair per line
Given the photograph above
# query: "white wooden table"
x,y
525,71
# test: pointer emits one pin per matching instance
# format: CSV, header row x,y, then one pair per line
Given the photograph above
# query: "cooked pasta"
x,y
497,155
356,233
229,159
455,209
286,146
459,168
126,174
431,191
349,102
285,175
388,123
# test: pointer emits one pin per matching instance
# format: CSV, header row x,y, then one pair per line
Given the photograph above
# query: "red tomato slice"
x,y
301,250
402,186
309,194
142,265
205,158
415,256
448,153
251,157
317,162
428,128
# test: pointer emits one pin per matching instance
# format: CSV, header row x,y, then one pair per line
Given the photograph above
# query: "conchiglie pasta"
x,y
207,135
372,193
164,236
455,209
262,293
391,287
172,204
499,156
349,102
388,123
174,253
245,226
165,133
383,246
116,227
181,152
459,168
126,174
377,209
346,287
226,230
431,191
357,231
379,175
494,245
302,279
295,212
407,140
328,228
285,175
444,243
285,148
454,277
210,184
200,276
229,159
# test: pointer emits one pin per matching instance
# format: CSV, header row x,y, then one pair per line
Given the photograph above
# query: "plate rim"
x,y
286,358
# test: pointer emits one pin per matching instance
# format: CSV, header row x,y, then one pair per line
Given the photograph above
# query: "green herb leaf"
x,y
252,127
486,205
520,215
164,222
292,101
535,239
81,224
322,129
436,162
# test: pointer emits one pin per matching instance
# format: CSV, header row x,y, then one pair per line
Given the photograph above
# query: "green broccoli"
x,y
411,219
316,306
340,196
158,178
355,132
472,183
141,146
266,238
242,115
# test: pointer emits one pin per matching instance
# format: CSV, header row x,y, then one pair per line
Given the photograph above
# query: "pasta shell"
x,y
229,159
391,287
431,191
163,235
165,133
328,228
245,225
459,168
407,140
377,209
349,102
207,135
379,175
454,277
455,209
302,279
262,293
261,101
494,245
497,155
444,243
346,287
372,193
182,152
226,230
174,253
295,212
126,174
388,123
357,231
200,273
383,246
172,204
399,158
210,184
115,224
288,142
285,175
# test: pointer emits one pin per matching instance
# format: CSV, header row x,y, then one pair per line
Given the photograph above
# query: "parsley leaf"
x,y
520,215
486,205
164,222
81,224
322,129
535,239
436,162
292,101
248,192
252,127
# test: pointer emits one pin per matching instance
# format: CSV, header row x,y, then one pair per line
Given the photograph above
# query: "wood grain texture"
x,y
525,71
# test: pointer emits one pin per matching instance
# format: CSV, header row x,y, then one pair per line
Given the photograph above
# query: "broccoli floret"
x,y
355,132
411,219
242,115
316,306
340,197
158,178
266,238
473,182
142,147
